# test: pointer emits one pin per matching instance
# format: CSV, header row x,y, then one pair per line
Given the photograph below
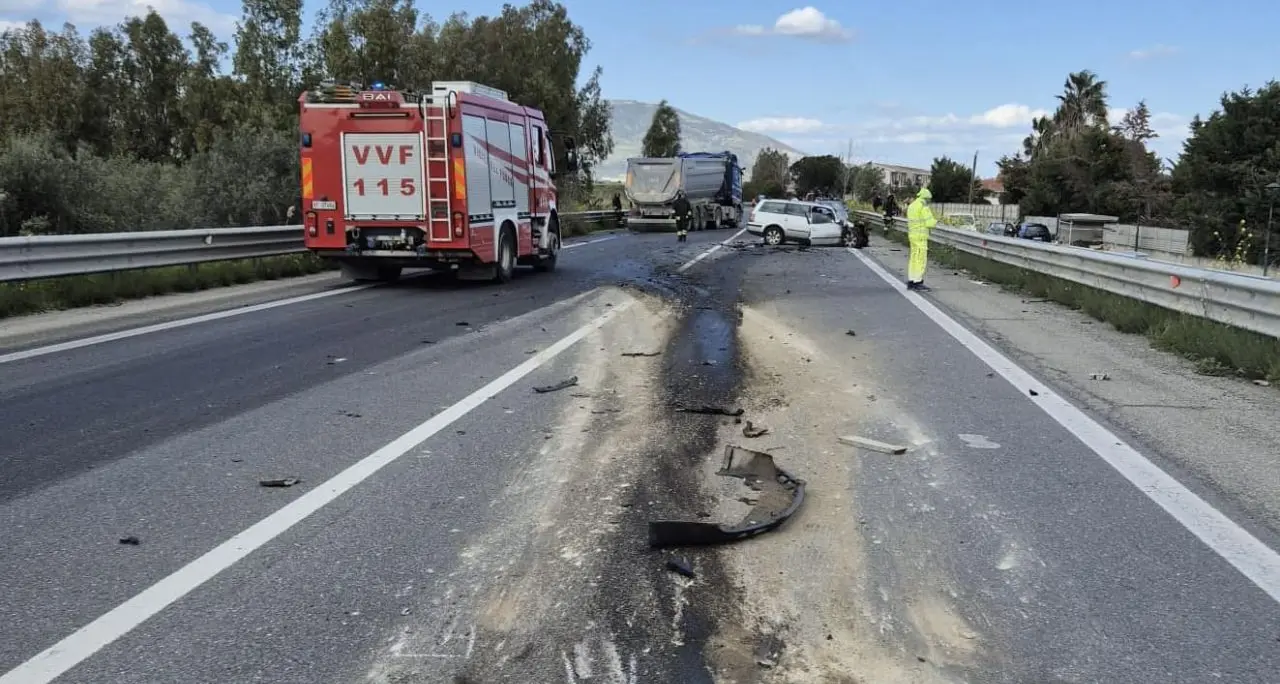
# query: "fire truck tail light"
x,y
313,224
457,224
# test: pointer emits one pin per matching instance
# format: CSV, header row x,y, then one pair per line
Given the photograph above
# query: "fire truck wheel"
x,y
506,266
548,262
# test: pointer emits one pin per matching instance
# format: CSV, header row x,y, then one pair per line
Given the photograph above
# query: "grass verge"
x,y
1215,348
105,288
71,292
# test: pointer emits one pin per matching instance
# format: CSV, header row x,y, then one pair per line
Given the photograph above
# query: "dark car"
x,y
1000,228
1035,231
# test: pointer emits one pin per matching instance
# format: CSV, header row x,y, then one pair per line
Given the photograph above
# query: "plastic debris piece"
x,y
680,566
563,384
280,482
873,445
750,431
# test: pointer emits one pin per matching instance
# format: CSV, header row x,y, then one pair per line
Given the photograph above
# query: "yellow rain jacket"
x,y
920,221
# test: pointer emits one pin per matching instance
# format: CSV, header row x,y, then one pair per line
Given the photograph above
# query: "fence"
x,y
982,211
53,256
1237,300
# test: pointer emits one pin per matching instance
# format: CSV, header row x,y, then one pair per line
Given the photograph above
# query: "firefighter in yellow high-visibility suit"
x,y
920,222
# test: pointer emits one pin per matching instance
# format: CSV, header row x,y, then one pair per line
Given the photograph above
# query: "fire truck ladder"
x,y
439,189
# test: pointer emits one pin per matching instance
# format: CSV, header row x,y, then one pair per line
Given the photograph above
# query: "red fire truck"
x,y
460,179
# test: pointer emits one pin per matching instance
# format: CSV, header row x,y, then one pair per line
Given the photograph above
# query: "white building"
x,y
897,176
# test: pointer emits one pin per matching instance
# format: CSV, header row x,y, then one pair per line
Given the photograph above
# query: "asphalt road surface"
x,y
451,524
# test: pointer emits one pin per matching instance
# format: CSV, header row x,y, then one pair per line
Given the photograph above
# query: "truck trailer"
x,y
712,181
459,179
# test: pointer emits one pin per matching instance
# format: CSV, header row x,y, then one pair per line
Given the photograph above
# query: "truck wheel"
x,y
773,236
506,266
548,262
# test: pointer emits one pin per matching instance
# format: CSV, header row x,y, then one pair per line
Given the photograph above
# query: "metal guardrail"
x,y
54,256
1237,300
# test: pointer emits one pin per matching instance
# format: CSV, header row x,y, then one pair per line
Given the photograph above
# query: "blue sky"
x,y
969,78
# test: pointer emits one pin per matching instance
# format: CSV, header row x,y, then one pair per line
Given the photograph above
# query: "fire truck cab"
x,y
460,179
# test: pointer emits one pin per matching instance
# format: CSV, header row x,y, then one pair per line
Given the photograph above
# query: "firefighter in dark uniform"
x,y
682,209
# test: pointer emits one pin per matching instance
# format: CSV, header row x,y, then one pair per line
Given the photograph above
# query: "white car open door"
x,y
823,227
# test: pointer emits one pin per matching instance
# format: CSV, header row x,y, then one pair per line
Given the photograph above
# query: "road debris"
x,y
1262,383
780,496
569,382
463,324
1099,376
130,541
872,444
280,482
1033,393
335,361
680,566
637,353
750,431
851,333
710,410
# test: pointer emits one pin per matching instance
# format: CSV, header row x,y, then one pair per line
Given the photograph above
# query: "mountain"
x,y
697,134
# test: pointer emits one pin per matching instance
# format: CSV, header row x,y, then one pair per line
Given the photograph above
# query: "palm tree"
x,y
1083,102
1041,133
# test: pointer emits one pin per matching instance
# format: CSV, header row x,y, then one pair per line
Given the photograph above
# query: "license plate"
x,y
324,205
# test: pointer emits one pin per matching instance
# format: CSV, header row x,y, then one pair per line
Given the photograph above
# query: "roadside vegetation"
x,y
137,127
1216,349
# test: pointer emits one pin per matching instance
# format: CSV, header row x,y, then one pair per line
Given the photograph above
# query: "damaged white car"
x,y
782,221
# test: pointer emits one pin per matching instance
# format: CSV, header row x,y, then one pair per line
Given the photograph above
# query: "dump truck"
x,y
712,181
459,179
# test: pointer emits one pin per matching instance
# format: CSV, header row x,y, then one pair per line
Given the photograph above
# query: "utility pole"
x,y
848,170
973,177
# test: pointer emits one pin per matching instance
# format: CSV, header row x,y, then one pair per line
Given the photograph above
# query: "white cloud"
x,y
8,25
86,14
1007,116
1158,50
808,23
794,125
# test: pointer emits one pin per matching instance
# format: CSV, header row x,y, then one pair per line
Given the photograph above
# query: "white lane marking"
x,y
689,264
571,245
74,649
170,325
1254,559
203,318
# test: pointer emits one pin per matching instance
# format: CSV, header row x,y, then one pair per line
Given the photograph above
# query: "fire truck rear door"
x,y
383,174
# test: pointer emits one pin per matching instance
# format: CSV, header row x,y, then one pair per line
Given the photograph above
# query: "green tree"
x,y
269,60
951,181
663,137
154,64
773,167
1226,164
868,183
823,175
1136,124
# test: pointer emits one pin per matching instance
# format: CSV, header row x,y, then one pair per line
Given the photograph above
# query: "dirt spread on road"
x,y
558,590
811,606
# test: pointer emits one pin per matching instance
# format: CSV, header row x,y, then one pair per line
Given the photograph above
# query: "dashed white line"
x,y
1254,559
74,649
717,247
206,318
